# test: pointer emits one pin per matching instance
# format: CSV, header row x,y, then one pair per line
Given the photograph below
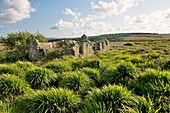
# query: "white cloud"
x,y
12,11
100,27
1,26
157,21
70,12
114,7
63,25
103,9
156,17
94,22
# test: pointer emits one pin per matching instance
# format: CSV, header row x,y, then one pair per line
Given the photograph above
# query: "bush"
x,y
58,67
11,86
18,42
109,99
11,69
40,77
74,80
50,101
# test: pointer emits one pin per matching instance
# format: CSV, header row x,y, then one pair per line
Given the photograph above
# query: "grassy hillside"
x,y
133,76
115,37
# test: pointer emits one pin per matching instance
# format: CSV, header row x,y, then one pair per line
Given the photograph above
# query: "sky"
x,y
73,18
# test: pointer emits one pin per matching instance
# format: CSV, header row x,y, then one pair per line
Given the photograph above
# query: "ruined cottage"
x,y
82,48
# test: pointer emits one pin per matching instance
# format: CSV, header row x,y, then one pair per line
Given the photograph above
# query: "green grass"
x,y
74,80
133,78
50,101
12,86
40,78
109,99
11,69
58,66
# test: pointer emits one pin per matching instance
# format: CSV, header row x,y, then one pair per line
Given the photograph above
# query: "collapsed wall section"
x,y
83,48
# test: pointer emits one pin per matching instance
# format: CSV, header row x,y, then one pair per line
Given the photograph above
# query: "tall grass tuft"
x,y
12,86
50,101
166,66
91,63
157,84
145,105
126,69
40,78
109,99
94,74
154,82
74,80
58,66
24,65
5,107
123,73
11,69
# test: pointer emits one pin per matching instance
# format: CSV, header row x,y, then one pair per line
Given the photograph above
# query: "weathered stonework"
x,y
102,45
83,48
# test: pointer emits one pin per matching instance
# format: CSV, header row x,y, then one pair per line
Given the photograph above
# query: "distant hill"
x,y
114,37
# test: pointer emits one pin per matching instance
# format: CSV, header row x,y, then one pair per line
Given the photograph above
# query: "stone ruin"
x,y
82,48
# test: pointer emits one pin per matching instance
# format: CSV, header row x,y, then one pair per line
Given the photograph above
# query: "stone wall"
x,y
83,48
102,45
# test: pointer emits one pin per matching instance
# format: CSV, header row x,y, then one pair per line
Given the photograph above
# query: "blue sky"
x,y
72,18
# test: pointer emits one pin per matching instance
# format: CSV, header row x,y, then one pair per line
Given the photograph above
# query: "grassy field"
x,y
133,76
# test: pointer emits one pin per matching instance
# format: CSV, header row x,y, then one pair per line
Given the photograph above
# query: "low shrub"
x,y
50,101
11,86
58,67
40,78
74,80
109,99
11,69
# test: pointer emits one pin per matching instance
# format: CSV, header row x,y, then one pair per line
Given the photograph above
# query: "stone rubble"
x,y
82,48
